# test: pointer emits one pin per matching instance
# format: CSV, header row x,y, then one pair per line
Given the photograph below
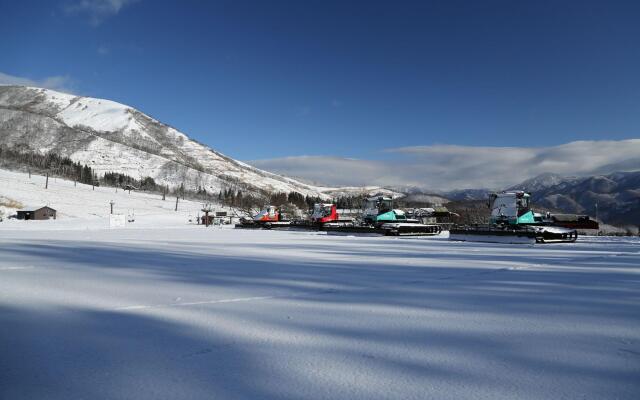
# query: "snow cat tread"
x,y
266,225
389,229
529,235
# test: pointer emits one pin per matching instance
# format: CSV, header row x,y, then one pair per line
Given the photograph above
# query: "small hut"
x,y
36,213
574,221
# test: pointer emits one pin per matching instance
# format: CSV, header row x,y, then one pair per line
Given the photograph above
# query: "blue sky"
x,y
268,80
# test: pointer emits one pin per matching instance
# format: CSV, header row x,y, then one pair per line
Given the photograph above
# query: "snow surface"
x,y
81,206
100,115
163,309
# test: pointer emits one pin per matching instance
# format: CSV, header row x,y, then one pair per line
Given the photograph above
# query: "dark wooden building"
x,y
574,221
37,213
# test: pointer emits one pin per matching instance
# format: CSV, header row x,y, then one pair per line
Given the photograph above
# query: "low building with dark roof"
x,y
574,221
36,213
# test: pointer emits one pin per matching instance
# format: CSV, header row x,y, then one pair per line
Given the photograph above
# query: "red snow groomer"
x,y
267,214
323,213
269,217
327,213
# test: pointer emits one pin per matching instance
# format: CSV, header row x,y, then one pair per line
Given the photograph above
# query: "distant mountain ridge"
x,y
541,182
617,195
467,194
112,137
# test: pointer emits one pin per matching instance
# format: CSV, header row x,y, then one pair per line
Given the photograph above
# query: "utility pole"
x,y
46,184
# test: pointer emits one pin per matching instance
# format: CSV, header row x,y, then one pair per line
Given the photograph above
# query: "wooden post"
x,y
206,218
164,192
29,173
46,184
177,198
112,203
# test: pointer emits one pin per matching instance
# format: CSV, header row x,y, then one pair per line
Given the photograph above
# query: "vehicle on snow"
x,y
513,221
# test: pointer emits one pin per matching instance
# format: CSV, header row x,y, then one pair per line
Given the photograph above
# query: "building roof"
x,y
33,208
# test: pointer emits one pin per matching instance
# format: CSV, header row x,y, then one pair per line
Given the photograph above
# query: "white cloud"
x,y
446,167
333,171
61,83
97,10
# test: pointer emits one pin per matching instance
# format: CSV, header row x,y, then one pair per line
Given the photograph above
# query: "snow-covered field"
x,y
83,207
164,309
194,313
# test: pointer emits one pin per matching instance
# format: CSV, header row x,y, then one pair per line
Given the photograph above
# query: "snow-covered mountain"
x,y
542,182
536,184
467,194
113,137
617,196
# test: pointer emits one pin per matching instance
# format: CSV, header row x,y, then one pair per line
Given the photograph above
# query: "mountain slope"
x,y
617,195
541,182
112,137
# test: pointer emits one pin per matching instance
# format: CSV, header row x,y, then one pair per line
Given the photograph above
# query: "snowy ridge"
x,y
112,137
541,182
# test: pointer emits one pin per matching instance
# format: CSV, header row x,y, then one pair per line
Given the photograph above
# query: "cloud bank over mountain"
x,y
447,167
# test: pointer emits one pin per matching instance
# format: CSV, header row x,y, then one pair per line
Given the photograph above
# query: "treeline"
x,y
50,163
287,201
232,197
116,179
293,198
63,167
351,202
